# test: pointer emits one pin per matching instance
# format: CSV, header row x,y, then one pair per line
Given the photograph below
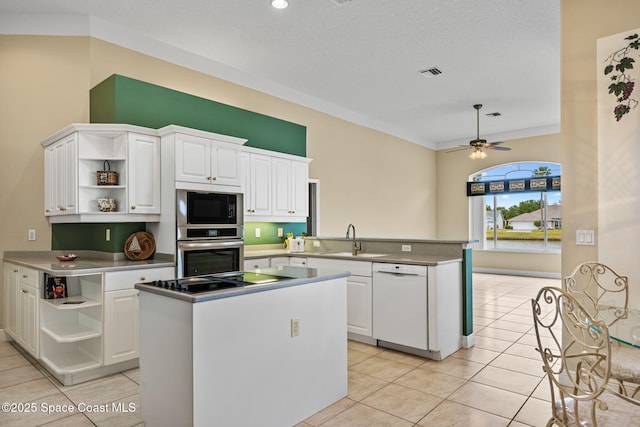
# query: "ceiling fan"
x,y
478,144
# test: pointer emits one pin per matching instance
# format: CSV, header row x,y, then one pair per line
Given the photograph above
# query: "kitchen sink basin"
x,y
349,254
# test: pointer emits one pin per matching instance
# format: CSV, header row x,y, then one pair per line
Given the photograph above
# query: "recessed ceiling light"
x,y
279,4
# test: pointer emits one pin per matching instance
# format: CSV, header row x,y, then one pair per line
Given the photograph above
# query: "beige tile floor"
x,y
496,383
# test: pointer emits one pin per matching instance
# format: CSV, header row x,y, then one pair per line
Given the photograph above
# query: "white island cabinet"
x,y
239,360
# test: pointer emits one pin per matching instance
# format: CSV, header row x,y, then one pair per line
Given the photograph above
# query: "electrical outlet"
x,y
107,235
406,248
32,234
257,231
295,327
280,232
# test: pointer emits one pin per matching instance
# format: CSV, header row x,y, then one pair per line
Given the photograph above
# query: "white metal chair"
x,y
605,295
575,351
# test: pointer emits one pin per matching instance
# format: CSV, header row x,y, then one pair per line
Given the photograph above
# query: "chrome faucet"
x,y
357,246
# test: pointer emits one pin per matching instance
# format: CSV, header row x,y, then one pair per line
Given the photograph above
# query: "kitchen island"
x,y
269,353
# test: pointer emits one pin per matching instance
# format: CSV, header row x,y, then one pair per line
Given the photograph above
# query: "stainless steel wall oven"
x,y
209,232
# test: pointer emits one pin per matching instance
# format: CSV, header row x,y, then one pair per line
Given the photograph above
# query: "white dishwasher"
x,y
400,304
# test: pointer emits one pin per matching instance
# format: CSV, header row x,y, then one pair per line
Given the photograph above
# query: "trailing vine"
x,y
619,63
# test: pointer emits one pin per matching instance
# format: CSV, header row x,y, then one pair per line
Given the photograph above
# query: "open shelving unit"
x,y
71,327
93,151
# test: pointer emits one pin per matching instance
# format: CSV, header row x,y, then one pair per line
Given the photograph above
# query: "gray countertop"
x,y
428,260
294,276
88,262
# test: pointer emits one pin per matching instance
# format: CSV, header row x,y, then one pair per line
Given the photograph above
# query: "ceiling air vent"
x,y
430,72
342,2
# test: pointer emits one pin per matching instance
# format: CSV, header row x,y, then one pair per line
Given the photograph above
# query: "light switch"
x,y
585,237
257,231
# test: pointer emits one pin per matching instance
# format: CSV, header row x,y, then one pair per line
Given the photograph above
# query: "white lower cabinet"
x,y
11,300
28,318
122,311
295,261
92,332
122,326
359,292
21,297
280,261
255,263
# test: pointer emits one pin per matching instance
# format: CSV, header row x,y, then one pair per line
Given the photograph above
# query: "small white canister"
x,y
296,244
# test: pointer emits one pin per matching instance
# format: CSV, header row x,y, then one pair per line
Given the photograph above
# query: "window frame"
x,y
478,212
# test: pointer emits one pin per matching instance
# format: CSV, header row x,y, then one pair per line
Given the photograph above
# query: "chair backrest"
x,y
602,291
575,351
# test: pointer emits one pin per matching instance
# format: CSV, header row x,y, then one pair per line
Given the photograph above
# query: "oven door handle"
x,y
195,245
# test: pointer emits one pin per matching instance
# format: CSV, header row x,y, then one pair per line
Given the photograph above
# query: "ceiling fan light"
x,y
477,154
279,4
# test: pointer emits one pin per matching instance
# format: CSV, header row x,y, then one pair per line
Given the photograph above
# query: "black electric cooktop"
x,y
208,283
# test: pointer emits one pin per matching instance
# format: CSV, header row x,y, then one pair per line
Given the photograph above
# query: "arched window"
x,y
517,207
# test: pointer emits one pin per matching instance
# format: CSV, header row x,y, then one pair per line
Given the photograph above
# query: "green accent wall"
x,y
467,293
120,99
92,236
269,232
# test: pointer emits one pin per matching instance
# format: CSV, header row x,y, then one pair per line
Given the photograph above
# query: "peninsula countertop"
x,y
88,262
414,259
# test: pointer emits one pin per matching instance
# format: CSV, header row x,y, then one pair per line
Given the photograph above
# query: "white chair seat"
x,y
619,413
625,363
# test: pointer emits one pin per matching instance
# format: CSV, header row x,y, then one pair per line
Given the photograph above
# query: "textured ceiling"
x,y
359,61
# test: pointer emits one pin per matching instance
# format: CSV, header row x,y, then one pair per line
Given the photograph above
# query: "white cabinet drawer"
x,y
28,276
357,268
255,263
116,280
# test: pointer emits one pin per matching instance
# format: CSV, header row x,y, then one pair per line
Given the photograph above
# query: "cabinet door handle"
x,y
214,178
24,276
24,291
133,207
143,278
15,271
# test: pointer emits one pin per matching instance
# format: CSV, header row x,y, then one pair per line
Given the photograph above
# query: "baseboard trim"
x,y
468,341
506,272
4,336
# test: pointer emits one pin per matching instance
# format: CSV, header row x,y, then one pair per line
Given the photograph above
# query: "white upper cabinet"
x,y
61,185
144,174
256,184
291,187
75,155
275,186
207,161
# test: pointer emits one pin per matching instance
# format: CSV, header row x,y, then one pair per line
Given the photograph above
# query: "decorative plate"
x,y
67,257
139,245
